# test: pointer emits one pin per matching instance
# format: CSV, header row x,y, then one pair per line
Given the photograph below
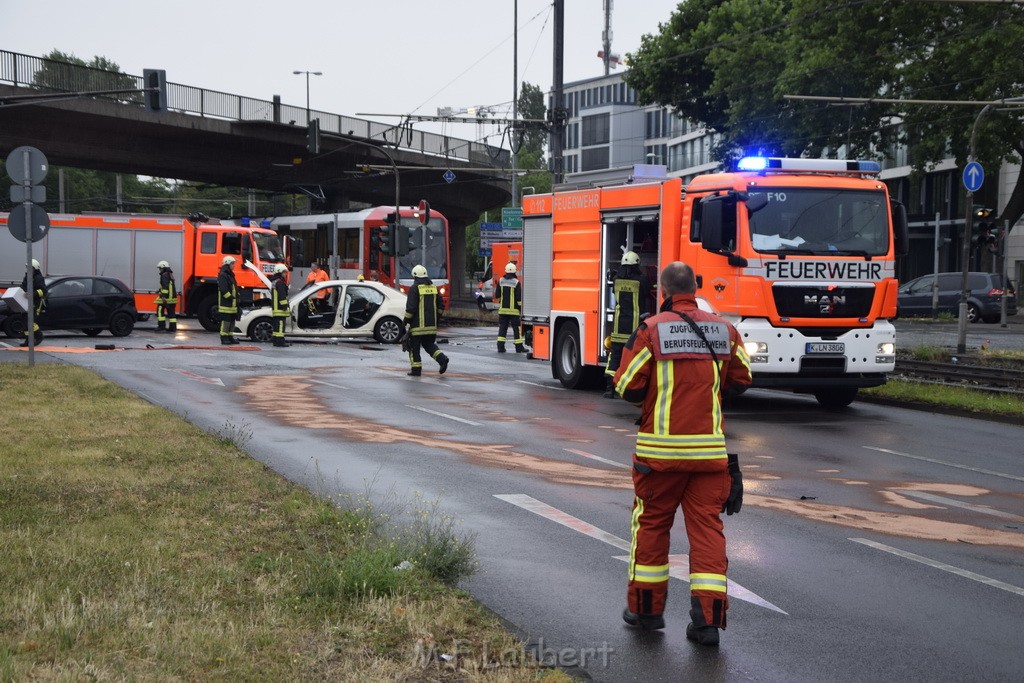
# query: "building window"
x,y
596,130
594,159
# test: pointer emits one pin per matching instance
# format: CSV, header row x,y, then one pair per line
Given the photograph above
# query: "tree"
x,y
728,64
68,73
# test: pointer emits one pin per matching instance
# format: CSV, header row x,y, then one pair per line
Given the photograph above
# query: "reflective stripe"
x,y
647,573
634,366
634,527
708,582
665,373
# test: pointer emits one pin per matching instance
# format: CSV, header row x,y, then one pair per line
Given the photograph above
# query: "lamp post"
x,y
308,73
231,208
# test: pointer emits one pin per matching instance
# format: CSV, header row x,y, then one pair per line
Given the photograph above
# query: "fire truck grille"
x,y
821,302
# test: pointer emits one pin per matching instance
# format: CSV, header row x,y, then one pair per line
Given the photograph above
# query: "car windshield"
x,y
269,247
428,246
815,221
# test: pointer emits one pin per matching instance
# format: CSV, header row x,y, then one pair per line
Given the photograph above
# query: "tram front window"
x,y
428,247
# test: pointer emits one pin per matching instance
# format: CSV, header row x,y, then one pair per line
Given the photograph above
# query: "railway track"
x,y
984,377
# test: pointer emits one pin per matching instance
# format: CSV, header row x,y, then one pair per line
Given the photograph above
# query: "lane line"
x,y
995,583
336,386
445,415
959,504
542,386
678,564
947,464
599,459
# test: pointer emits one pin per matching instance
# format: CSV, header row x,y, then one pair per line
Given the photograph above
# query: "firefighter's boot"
x,y
280,343
501,347
702,635
609,391
39,338
648,622
226,340
520,348
415,372
442,360
160,326
172,327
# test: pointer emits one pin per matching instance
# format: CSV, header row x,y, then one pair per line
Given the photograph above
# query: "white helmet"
x,y
35,264
510,268
280,268
163,264
630,258
419,271
228,260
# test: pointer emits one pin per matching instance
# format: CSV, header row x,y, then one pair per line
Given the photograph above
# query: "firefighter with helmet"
x,y
227,300
509,295
166,299
632,299
39,291
422,311
279,304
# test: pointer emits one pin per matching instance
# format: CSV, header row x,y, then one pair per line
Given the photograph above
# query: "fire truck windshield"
x,y
268,247
820,221
428,247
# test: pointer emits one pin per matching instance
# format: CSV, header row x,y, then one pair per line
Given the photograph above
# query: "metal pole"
x,y
935,270
515,98
961,338
557,106
1006,272
30,294
307,98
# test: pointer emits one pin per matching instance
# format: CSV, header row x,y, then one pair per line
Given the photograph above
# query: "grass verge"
x,y
137,547
967,400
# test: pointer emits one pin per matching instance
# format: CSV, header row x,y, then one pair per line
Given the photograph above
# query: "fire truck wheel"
x,y
388,330
836,397
207,313
568,361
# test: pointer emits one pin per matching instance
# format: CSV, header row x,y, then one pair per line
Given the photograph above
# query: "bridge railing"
x,y
54,76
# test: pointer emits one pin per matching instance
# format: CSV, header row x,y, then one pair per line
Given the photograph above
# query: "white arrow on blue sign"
x,y
974,176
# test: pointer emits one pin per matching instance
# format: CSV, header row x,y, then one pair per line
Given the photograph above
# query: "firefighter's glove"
x,y
734,502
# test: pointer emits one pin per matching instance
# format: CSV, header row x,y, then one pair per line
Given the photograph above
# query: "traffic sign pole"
x,y
29,274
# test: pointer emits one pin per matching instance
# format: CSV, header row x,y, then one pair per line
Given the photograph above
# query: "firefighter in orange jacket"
x,y
676,366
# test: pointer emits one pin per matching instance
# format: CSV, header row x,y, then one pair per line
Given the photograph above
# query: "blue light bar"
x,y
752,164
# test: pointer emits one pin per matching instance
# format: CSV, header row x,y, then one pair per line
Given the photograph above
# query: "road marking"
x,y
956,503
336,386
995,583
947,464
445,415
599,459
196,376
678,564
542,386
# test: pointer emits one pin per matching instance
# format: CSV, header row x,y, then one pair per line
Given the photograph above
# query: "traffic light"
x,y
386,235
313,137
403,235
155,84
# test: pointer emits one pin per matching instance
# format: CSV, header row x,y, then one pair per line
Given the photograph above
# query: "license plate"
x,y
826,347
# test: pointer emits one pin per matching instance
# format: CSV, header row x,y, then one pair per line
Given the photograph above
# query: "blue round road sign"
x,y
974,176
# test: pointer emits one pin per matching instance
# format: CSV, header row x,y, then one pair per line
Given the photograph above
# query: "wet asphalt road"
x,y
874,543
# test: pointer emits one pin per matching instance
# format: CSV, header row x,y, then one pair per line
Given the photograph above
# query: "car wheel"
x,y
387,330
973,313
836,397
207,313
14,326
262,330
93,331
122,324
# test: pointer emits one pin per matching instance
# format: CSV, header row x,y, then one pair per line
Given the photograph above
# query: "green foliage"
x,y
729,63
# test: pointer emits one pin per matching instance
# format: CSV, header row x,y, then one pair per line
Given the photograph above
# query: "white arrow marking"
x,y
445,415
995,583
958,504
678,564
196,377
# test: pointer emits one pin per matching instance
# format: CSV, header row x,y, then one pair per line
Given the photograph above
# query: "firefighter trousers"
x,y
428,342
508,322
658,496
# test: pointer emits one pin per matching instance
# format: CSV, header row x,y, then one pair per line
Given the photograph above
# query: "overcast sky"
x,y
377,56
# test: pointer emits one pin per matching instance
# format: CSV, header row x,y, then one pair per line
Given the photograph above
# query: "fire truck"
x,y
799,254
128,247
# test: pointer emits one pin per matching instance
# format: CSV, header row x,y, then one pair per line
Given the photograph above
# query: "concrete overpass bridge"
x,y
236,141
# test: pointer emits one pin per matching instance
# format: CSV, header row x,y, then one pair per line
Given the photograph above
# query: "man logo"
x,y
826,304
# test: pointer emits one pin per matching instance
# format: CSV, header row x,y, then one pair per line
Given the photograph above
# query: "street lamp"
x,y
308,73
231,208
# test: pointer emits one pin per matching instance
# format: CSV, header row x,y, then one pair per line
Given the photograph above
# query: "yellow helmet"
x,y
419,271
280,268
163,264
630,258
511,268
228,260
608,343
360,278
